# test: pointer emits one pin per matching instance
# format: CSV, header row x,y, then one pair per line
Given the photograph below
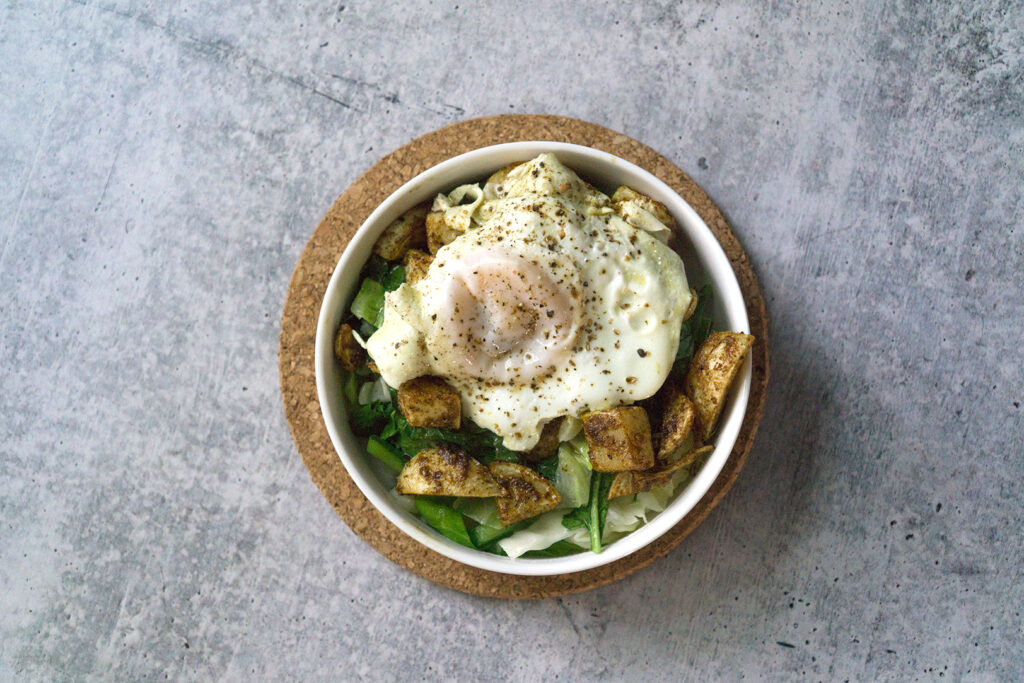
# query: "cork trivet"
x,y
298,331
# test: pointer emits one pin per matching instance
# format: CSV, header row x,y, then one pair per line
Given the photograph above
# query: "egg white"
x,y
622,292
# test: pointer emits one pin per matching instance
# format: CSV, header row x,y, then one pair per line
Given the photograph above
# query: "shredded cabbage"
x,y
407,503
371,392
569,428
625,515
572,478
480,510
629,513
547,529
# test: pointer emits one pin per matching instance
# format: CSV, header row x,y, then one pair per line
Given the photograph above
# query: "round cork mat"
x,y
302,307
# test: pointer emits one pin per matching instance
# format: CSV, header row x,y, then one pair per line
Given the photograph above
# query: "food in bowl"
x,y
527,358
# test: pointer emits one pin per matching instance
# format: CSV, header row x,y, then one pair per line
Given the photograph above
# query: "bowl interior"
x,y
705,262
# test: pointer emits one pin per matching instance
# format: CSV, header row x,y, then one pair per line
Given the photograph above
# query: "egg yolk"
x,y
507,319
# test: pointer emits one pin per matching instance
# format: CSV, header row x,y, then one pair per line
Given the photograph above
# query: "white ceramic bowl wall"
x,y
705,262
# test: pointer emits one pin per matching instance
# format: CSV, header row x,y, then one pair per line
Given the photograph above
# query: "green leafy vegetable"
x,y
578,518
600,484
483,535
369,302
381,418
374,391
572,477
366,331
448,521
548,468
481,510
370,418
592,515
694,330
394,279
350,387
386,453
556,549
482,444
376,268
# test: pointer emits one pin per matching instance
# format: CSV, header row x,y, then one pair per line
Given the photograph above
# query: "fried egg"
x,y
549,304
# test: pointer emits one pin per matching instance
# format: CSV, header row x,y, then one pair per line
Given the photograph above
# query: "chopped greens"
x,y
556,549
448,521
350,388
583,518
366,330
386,453
370,418
394,279
483,511
548,468
369,302
695,330
592,515
483,445
572,476
379,278
382,418
483,535
376,268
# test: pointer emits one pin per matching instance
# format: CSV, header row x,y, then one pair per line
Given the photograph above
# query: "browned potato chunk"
x,y
416,263
548,444
629,483
408,230
711,372
527,494
347,350
447,471
439,231
619,439
430,402
675,429
656,208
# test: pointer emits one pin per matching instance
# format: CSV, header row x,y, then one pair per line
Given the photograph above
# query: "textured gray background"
x,y
163,163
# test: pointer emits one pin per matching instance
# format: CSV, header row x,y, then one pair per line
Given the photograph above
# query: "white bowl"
x,y
705,262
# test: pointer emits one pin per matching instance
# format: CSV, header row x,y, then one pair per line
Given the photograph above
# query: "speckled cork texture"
x,y
302,306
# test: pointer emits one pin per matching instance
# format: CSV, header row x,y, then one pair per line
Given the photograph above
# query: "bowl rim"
x,y
708,252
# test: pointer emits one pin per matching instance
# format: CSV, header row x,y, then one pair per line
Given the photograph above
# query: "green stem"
x,y
448,521
385,453
482,534
595,513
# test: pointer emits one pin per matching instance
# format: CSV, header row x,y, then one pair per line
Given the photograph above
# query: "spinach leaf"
x,y
483,535
592,515
548,468
375,269
577,519
371,418
556,549
394,279
479,443
694,330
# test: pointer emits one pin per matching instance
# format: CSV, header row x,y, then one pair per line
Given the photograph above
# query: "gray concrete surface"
x,y
163,163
